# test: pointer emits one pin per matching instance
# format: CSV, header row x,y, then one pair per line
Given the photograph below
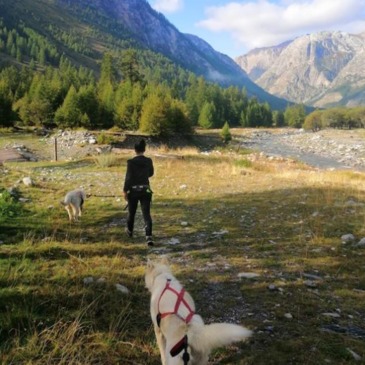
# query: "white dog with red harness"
x,y
182,336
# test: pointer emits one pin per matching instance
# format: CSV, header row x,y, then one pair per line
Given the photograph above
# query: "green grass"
x,y
283,222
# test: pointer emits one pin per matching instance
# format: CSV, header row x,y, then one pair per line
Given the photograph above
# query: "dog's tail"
x,y
216,335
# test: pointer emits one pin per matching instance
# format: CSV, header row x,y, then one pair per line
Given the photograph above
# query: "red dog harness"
x,y
180,300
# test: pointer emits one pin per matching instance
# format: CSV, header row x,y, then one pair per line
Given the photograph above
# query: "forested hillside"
x,y
98,64
92,72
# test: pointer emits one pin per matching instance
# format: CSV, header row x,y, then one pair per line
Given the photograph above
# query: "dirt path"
x,y
10,155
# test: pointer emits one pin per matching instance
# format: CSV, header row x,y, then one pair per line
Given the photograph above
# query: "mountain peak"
x,y
318,69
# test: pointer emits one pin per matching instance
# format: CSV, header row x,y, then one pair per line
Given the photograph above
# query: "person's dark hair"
x,y
140,146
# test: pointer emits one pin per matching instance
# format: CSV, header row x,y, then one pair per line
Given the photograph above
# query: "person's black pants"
x,y
145,200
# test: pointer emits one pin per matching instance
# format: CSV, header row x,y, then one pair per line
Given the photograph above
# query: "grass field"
x,y
231,214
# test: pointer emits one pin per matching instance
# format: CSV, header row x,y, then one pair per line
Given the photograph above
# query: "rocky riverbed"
x,y
327,149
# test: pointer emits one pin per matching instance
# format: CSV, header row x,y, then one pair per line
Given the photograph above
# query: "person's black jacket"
x,y
139,169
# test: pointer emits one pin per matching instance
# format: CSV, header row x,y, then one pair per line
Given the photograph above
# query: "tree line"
x,y
124,96
340,118
131,89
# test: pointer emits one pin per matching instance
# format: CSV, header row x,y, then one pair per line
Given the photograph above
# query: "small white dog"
x,y
181,334
73,202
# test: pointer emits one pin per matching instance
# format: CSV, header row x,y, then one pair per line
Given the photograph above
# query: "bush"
x,y
106,160
9,205
103,138
226,133
244,163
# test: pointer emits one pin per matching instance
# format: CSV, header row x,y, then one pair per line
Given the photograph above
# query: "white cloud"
x,y
264,22
167,6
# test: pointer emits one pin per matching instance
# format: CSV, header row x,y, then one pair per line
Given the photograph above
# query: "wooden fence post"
x,y
55,149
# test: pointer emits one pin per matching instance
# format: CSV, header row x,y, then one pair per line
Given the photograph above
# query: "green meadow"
x,y
217,216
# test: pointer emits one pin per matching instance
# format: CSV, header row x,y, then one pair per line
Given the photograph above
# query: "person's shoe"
x,y
149,240
128,233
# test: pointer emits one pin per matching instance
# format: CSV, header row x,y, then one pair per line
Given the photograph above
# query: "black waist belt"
x,y
140,187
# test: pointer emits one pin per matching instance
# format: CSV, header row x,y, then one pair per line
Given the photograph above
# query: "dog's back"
x,y
74,197
73,203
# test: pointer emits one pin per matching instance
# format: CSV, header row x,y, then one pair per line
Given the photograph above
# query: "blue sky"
x,y
234,27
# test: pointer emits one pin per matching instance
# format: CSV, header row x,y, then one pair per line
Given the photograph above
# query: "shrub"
x,y
244,163
103,138
106,160
226,133
9,205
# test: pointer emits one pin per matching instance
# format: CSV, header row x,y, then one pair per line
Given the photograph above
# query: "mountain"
x,y
323,69
82,30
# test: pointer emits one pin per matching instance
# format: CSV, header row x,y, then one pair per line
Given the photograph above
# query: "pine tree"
x,y
206,116
154,118
278,118
6,114
226,133
130,66
69,114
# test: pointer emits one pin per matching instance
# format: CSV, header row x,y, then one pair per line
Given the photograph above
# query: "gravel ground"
x,y
327,149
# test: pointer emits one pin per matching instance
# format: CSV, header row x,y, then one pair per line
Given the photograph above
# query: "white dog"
x,y
73,203
181,334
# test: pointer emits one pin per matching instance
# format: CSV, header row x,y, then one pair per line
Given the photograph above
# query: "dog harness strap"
x,y
180,346
180,299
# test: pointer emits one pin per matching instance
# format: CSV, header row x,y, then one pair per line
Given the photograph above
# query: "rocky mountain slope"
x,y
323,69
113,25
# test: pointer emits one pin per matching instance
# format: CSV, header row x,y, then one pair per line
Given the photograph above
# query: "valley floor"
x,y
267,242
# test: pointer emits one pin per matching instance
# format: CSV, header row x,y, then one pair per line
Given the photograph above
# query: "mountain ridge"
x,y
322,69
113,24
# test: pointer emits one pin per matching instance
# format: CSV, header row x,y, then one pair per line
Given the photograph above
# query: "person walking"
x,y
137,189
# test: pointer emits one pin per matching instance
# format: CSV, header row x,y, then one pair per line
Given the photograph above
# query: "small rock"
x,y
248,275
332,315
361,243
27,181
311,276
288,316
220,233
88,280
122,288
348,238
310,284
92,140
173,241
272,287
354,355
184,224
101,281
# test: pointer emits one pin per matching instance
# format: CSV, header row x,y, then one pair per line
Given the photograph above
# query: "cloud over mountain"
x,y
264,22
167,6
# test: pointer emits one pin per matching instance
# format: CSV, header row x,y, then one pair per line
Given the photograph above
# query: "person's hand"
x,y
125,195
